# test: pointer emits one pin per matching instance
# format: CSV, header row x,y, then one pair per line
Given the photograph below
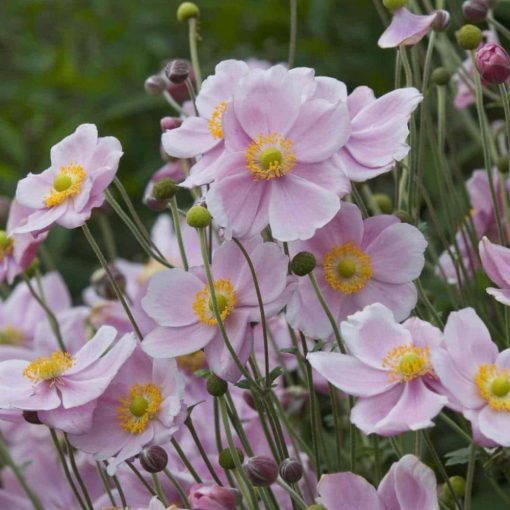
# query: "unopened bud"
x,y
503,163
440,76
261,470
393,5
469,37
177,71
216,386
153,459
198,217
291,470
102,285
226,459
475,10
303,263
458,484
155,85
32,417
403,216
384,202
164,189
168,123
442,21
493,63
186,11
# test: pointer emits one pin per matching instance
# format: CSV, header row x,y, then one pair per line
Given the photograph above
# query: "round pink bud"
x,y
475,10
493,63
170,123
261,470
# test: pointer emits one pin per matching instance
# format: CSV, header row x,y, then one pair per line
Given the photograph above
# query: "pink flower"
x,y
212,497
180,304
82,167
408,484
142,406
496,264
388,368
17,251
493,63
470,367
61,387
406,29
203,135
281,131
379,129
359,262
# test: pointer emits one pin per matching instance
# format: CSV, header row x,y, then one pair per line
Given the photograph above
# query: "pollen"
x,y
494,386
270,156
6,245
192,362
407,362
215,122
346,268
10,335
49,368
66,184
225,298
139,407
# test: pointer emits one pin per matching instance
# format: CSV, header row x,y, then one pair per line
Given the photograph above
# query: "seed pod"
x,y
226,460
291,470
261,470
216,386
469,37
177,71
198,217
154,459
32,417
303,263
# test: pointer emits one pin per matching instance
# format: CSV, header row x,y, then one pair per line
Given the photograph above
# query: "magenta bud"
x,y
261,470
493,63
291,470
442,21
153,459
155,85
168,123
212,497
32,417
177,71
475,10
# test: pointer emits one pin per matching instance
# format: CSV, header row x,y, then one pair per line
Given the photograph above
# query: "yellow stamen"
x,y
6,245
346,268
407,362
138,408
215,122
67,184
270,156
494,386
49,368
225,297
192,362
10,335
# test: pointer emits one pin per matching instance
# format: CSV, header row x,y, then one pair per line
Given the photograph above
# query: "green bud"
x,y
187,10
303,263
198,217
440,76
403,216
226,461
502,165
32,269
469,37
216,386
393,5
459,488
5,240
164,189
384,202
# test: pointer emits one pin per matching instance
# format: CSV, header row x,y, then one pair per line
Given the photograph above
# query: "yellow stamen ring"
x,y
66,184
49,368
407,362
215,122
225,298
138,408
494,386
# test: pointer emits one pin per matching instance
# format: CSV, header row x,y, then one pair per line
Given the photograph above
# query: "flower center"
x,y
49,368
66,184
407,362
192,362
11,336
270,156
494,386
6,245
346,268
225,298
138,408
215,122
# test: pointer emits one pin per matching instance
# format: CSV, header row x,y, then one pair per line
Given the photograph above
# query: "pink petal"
x,y
495,262
495,425
374,225
326,175
423,333
32,190
42,219
501,295
406,29
358,99
74,421
347,491
330,88
75,148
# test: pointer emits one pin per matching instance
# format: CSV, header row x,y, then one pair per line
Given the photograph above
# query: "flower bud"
x,y
291,470
403,216
469,37
186,11
393,5
177,71
384,202
168,123
261,470
226,460
440,76
216,386
155,85
442,21
32,417
493,63
198,217
102,285
303,263
458,485
153,459
475,10
503,163
164,189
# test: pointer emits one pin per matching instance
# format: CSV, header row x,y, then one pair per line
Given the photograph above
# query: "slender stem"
x,y
293,494
185,460
193,38
108,237
455,427
337,425
470,477
499,27
377,459
113,281
77,474
118,486
106,485
178,232
177,486
293,33
173,103
141,478
159,491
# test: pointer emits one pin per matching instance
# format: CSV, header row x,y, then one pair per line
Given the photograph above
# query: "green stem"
x,y
177,486
118,486
293,494
293,33
193,37
185,460
178,232
470,477
77,474
159,490
108,237
140,477
106,485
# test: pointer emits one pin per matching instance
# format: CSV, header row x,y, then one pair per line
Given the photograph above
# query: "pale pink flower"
x,y
470,367
496,264
409,484
359,262
142,406
388,368
212,497
179,302
82,167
